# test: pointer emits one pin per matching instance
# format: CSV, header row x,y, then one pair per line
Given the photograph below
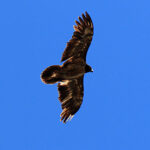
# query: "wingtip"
x,y
86,12
66,120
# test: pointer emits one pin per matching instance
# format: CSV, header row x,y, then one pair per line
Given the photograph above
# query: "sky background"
x,y
115,114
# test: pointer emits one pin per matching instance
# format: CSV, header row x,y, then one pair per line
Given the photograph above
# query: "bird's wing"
x,y
70,96
81,39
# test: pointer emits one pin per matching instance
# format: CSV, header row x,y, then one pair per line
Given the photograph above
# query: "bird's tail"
x,y
51,74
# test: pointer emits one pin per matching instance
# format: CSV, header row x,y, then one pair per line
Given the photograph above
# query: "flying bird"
x,y
69,75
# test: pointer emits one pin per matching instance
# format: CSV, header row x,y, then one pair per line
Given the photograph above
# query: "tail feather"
x,y
51,74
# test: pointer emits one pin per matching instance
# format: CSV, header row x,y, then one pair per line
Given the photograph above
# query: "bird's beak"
x,y
92,70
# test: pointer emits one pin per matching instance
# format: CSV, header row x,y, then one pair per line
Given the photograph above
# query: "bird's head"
x,y
88,68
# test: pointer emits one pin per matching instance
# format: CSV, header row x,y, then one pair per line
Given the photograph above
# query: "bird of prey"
x,y
69,75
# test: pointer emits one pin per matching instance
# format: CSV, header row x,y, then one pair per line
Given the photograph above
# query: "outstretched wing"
x,y
70,96
81,39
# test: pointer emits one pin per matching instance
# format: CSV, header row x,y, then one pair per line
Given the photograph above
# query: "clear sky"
x,y
115,114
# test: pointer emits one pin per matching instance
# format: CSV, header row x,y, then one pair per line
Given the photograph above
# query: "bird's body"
x,y
73,68
70,74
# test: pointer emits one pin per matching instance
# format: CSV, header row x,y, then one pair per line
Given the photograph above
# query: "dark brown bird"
x,y
70,74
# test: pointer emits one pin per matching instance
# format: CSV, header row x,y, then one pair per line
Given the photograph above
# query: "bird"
x,y
70,74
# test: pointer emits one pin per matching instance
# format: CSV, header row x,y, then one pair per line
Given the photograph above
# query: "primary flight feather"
x,y
70,75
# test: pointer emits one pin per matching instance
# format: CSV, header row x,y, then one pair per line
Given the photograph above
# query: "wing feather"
x,y
81,39
70,96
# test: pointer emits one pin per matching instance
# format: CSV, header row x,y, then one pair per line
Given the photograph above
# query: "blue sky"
x,y
115,114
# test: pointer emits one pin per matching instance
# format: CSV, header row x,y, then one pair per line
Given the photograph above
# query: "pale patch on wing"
x,y
65,82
